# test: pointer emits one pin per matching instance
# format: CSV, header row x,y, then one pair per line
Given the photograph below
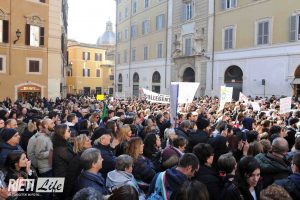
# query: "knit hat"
x,y
98,133
293,120
202,123
7,134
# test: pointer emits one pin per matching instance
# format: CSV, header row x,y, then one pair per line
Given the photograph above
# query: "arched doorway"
x,y
234,78
120,83
156,82
188,75
136,80
29,92
296,82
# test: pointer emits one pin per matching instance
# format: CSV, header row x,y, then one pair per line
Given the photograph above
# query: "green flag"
x,y
104,114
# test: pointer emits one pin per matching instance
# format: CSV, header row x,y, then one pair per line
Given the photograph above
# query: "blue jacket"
x,y
174,181
5,149
291,184
88,179
109,159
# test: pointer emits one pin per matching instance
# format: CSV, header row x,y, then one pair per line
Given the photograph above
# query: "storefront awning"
x,y
296,81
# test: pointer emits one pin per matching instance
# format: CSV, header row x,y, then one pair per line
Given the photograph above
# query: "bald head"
x,y
280,145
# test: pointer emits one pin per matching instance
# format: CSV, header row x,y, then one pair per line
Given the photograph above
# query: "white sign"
x,y
243,98
155,97
285,104
255,106
187,91
226,96
34,36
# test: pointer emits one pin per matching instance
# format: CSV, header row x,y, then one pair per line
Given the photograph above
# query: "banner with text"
x,y
155,97
186,91
243,98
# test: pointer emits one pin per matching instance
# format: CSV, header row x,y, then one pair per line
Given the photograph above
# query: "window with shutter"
x,y
227,4
98,73
187,46
88,55
4,31
42,36
88,72
83,55
160,50
134,6
228,38
263,33
34,66
34,35
1,64
100,56
146,53
125,56
160,22
293,28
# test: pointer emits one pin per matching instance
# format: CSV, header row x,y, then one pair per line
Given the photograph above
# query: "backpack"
x,y
160,191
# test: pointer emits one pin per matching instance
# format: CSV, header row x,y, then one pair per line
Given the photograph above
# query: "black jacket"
x,y
291,137
143,170
209,177
195,138
181,133
291,184
62,156
230,190
272,168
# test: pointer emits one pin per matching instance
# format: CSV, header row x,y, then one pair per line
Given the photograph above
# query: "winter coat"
x,y
88,179
5,149
116,179
181,133
209,177
230,190
72,174
272,168
43,152
195,138
174,181
109,159
62,155
143,170
291,184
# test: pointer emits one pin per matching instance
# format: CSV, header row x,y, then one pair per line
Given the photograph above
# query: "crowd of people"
x,y
132,149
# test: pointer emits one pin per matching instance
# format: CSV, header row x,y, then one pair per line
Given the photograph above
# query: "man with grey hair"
x,y
91,161
183,129
274,165
122,175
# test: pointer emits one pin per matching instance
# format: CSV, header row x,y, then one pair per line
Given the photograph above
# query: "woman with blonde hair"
x,y
143,169
81,143
123,135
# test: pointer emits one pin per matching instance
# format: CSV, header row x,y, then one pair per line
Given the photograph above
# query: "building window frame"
x,y
125,56
261,37
294,29
146,52
3,58
160,22
4,30
86,72
133,31
187,45
126,34
40,60
134,6
146,27
228,4
227,44
98,73
146,4
133,54
159,50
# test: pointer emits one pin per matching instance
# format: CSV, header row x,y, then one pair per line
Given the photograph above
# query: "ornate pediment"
x,y
35,20
3,15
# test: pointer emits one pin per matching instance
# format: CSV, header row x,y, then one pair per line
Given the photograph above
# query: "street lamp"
x,y
18,34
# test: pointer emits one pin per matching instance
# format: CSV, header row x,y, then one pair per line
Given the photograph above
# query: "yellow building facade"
x,y
254,47
91,69
31,60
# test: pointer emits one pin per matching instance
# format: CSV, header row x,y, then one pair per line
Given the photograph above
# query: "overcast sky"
x,y
87,19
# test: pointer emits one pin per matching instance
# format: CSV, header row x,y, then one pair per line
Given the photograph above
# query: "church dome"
x,y
108,37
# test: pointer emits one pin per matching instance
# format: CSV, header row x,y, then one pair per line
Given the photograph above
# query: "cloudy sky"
x,y
87,19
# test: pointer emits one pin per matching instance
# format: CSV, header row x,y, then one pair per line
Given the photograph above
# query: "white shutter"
x,y
233,3
223,4
293,28
183,13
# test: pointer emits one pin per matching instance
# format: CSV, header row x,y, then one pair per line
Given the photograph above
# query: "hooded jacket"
x,y
291,184
174,180
272,168
116,179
